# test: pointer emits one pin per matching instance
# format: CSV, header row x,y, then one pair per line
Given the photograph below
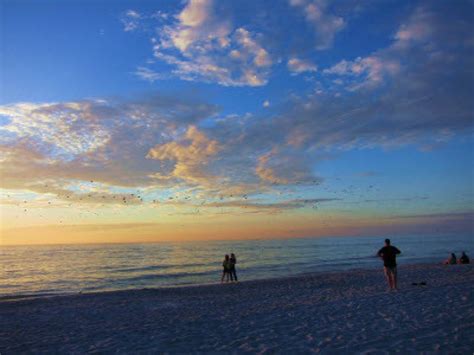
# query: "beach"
x,y
346,311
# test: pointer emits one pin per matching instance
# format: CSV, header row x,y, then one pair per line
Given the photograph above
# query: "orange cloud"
x,y
284,167
191,155
267,173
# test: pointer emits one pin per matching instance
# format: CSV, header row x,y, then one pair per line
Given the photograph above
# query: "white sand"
x,y
349,312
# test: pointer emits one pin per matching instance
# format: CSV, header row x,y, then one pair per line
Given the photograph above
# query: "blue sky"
x,y
49,43
360,107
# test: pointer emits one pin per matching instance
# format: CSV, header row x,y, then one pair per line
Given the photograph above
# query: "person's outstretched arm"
x,y
397,251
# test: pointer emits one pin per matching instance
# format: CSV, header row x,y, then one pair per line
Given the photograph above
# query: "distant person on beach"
x,y
464,259
452,260
226,271
389,255
233,261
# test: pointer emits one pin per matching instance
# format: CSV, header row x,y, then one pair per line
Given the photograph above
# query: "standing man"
x,y
389,255
233,261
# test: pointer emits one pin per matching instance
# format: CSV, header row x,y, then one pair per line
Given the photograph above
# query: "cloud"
x,y
390,200
267,173
326,25
236,44
199,45
71,128
196,13
298,66
190,155
151,142
196,24
418,101
283,167
131,20
372,69
423,92
148,74
430,37
56,194
468,216
251,48
256,206
417,29
155,141
106,141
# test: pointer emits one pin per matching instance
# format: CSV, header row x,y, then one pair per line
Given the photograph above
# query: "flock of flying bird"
x,y
134,198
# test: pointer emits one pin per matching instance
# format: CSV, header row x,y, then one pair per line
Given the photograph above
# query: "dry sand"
x,y
344,312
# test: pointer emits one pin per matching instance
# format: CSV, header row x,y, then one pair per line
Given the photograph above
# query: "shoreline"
x,y
29,296
349,311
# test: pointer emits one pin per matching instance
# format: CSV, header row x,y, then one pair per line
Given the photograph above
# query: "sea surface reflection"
x,y
26,270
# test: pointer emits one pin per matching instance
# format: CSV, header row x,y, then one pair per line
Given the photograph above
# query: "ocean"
x,y
61,269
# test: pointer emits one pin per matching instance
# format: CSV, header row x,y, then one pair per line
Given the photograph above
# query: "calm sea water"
x,y
26,270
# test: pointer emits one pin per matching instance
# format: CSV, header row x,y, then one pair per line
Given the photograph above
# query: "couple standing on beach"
x,y
229,268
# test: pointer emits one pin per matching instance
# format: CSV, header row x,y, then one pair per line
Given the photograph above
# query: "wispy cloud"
x,y
71,128
275,207
468,216
283,167
298,66
326,25
403,73
424,41
148,74
131,20
369,71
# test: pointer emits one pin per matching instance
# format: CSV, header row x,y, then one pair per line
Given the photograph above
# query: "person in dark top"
x,y
226,271
233,261
389,255
464,259
451,260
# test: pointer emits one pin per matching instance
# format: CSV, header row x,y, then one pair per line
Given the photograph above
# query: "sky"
x,y
142,121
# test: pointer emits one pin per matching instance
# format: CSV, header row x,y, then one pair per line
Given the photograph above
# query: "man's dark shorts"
x,y
390,270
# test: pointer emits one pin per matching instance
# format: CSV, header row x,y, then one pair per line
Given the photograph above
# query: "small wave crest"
x,y
158,277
